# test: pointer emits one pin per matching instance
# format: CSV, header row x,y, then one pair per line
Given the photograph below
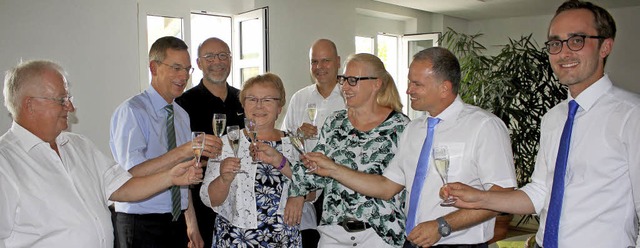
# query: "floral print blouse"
x,y
369,152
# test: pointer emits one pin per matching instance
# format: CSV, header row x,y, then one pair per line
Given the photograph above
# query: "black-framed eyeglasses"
x,y
574,43
352,81
266,100
63,101
178,69
221,56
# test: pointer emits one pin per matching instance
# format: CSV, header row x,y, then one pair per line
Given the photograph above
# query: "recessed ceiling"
x,y
491,9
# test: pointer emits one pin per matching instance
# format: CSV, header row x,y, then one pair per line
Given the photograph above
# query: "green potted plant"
x,y
517,85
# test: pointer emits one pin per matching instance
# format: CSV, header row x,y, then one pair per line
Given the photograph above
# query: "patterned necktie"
x,y
421,174
557,192
176,206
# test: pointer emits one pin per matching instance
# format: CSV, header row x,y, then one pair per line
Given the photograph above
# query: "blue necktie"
x,y
421,174
557,192
176,206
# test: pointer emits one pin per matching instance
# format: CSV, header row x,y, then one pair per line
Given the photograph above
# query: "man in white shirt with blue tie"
x,y
595,200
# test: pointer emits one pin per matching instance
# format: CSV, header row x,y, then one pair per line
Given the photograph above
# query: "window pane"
x,y
249,72
364,44
388,53
205,26
251,39
160,26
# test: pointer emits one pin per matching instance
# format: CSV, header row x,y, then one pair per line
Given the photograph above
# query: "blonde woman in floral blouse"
x,y
362,137
250,198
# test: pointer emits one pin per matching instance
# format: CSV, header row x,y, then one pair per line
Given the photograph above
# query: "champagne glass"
x,y
441,160
297,140
233,135
219,122
312,112
197,144
250,125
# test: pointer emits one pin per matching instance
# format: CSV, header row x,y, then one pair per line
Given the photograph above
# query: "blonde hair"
x,y
267,78
388,95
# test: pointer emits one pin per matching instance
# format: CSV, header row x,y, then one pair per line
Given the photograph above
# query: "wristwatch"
x,y
443,227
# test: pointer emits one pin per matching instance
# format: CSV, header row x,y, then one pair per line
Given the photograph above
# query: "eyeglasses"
x,y
63,101
178,69
352,81
221,56
266,101
574,43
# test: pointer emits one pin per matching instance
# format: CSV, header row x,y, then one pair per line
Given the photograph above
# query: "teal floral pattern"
x,y
369,152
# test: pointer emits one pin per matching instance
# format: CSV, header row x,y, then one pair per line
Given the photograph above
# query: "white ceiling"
x,y
491,9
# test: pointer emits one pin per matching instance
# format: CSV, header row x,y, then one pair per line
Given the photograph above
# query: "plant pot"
x,y
502,227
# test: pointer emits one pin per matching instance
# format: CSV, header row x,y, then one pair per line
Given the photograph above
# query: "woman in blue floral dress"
x,y
363,137
250,197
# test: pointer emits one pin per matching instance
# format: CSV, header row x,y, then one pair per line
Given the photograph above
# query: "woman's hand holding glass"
x,y
319,164
229,167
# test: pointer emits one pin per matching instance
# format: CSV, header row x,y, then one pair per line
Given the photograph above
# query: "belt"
x,y
353,225
152,216
408,244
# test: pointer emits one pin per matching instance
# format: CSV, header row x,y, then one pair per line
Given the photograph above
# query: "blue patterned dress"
x,y
271,231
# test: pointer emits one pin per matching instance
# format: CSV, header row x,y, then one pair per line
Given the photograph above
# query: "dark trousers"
x,y
150,231
407,244
310,238
205,215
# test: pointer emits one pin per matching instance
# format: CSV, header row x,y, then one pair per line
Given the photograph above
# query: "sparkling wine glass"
x,y
441,161
197,144
233,135
297,140
219,122
250,125
312,112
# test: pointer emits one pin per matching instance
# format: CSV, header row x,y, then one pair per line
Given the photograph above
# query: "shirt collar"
x,y
450,114
157,102
587,98
334,92
28,140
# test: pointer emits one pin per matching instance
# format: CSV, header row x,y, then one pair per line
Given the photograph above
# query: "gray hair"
x,y
25,75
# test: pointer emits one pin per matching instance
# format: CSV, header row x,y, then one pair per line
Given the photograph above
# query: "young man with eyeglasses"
x,y
586,183
213,95
324,64
150,126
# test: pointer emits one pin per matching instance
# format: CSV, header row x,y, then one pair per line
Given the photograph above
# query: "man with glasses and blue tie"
x,y
479,154
55,184
152,127
586,183
213,95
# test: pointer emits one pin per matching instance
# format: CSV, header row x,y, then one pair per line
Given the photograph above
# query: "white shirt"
x,y
55,201
479,156
297,115
239,208
602,178
297,110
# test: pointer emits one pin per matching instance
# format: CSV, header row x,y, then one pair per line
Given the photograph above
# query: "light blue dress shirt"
x,y
138,133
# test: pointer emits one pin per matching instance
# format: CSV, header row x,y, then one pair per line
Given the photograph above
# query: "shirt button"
x,y
353,238
354,244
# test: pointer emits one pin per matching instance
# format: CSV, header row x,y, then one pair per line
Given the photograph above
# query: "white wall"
x,y
621,65
95,41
